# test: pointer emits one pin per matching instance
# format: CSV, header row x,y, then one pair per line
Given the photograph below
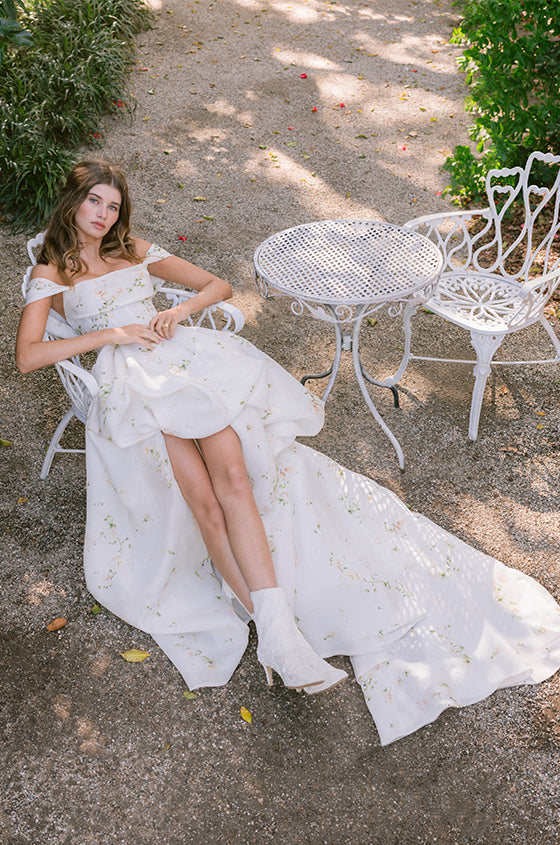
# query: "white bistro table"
x,y
341,271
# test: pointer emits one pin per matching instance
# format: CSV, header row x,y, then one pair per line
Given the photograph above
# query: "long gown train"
x,y
428,621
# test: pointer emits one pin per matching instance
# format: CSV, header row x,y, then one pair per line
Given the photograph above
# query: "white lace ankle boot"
x,y
283,647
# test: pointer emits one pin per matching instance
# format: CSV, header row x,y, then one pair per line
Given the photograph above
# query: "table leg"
x,y
333,369
365,393
410,310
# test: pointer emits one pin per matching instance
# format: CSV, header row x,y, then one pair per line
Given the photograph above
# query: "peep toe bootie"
x,y
283,647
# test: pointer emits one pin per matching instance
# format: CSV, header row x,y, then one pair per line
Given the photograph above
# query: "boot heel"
x,y
283,647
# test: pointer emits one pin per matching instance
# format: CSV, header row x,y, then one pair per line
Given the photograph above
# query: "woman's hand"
x,y
134,333
165,322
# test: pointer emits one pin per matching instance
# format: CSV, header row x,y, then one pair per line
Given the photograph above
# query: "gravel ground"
x,y
96,750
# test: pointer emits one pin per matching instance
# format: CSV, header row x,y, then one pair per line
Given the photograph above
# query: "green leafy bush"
x,y
54,94
512,62
11,31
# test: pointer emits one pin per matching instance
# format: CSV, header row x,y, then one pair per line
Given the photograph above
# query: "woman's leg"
x,y
195,485
217,489
225,462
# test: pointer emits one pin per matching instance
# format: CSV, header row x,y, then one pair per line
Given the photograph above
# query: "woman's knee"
x,y
208,512
231,481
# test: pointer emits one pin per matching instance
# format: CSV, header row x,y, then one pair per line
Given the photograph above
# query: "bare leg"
x,y
217,489
196,487
224,459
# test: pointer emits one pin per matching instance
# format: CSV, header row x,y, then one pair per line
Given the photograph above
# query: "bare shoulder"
x,y
141,246
47,271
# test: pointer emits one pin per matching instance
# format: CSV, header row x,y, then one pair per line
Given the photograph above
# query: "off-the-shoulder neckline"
x,y
92,278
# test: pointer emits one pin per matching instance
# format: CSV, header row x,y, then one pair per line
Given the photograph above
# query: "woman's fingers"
x,y
164,324
143,335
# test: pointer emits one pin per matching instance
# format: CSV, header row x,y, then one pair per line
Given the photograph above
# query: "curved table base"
x,y
345,341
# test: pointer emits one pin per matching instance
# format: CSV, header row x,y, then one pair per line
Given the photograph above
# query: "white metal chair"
x,y
490,287
78,382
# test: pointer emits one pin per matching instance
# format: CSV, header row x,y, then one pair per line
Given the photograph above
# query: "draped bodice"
x,y
118,298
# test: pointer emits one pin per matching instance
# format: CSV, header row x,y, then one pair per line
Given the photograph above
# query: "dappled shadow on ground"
x,y
99,749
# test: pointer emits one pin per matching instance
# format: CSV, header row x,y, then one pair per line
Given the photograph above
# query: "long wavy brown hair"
x,y
62,245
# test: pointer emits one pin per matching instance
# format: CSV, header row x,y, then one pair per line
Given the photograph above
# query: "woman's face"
x,y
98,212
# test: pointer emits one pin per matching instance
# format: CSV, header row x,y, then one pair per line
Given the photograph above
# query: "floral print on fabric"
x,y
428,621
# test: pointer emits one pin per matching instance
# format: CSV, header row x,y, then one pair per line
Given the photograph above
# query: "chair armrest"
x,y
452,234
233,318
80,373
78,382
434,219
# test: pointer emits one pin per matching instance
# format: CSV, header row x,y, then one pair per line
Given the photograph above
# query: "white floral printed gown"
x,y
428,621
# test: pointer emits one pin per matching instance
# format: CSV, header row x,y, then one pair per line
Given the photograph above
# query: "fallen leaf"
x,y
540,426
56,624
95,609
161,200
5,442
199,199
190,695
22,500
134,655
509,449
540,413
246,715
166,746
207,217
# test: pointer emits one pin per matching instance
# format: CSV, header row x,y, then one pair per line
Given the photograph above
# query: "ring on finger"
x,y
165,325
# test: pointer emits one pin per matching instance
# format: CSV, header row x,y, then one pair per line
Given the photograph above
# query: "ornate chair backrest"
x,y
528,253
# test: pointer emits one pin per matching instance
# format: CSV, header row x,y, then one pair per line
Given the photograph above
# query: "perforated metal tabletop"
x,y
348,262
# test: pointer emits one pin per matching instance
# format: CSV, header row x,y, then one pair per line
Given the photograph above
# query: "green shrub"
x,y
11,31
53,96
512,62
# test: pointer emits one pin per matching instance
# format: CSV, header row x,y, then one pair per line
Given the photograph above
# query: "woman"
x,y
192,464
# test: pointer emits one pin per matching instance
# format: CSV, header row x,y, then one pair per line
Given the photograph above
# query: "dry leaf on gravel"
x,y
134,655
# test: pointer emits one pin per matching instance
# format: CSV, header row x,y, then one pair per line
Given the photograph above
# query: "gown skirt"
x,y
427,621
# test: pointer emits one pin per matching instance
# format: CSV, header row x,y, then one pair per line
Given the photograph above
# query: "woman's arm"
x,y
211,289
32,352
